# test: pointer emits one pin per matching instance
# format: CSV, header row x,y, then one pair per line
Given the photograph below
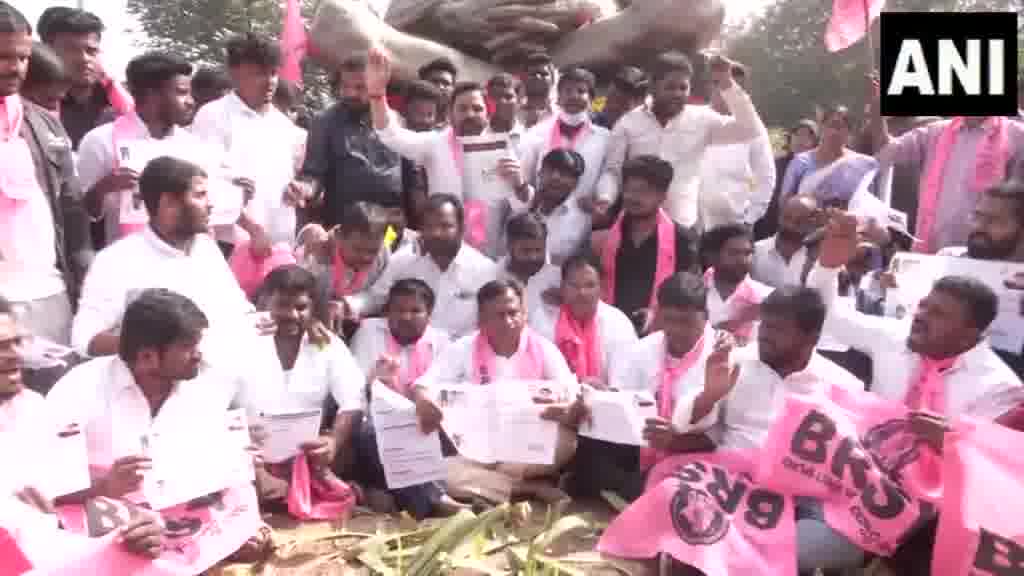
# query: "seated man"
x,y
943,367
158,382
733,296
396,350
299,367
356,260
453,269
527,262
589,332
668,363
503,348
783,259
645,246
23,428
175,252
742,397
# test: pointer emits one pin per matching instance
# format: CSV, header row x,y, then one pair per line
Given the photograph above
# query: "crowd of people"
x,y
202,244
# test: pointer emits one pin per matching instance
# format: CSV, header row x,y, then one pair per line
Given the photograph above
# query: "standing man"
x,y
259,146
345,157
106,166
628,90
44,232
503,91
442,74
677,133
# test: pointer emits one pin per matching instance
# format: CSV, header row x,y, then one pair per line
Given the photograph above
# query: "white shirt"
x,y
433,151
456,366
682,142
270,389
97,158
769,267
979,384
721,309
640,368
744,417
614,330
373,338
545,279
260,146
568,230
592,145
454,289
142,261
736,182
102,398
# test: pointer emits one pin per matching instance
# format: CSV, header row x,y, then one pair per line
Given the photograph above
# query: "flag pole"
x,y
869,41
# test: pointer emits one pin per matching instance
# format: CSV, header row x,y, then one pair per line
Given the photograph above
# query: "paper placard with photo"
x,y
480,157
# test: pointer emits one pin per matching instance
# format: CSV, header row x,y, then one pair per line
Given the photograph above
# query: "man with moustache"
x,y
454,270
111,155
783,259
441,152
24,424
174,251
528,262
568,223
997,233
44,231
344,156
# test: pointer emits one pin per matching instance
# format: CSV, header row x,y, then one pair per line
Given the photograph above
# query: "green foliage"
x,y
198,29
791,72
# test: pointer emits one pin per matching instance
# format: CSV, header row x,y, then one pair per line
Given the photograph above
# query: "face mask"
x,y
574,119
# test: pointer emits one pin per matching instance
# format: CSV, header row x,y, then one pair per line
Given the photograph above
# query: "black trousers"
x,y
602,466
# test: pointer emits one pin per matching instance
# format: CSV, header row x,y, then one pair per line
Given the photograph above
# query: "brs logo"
x,y
949,64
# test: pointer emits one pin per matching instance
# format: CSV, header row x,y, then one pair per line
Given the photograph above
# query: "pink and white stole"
x,y
928,392
124,129
580,344
18,183
529,358
421,356
672,369
666,262
989,169
746,294
349,287
556,138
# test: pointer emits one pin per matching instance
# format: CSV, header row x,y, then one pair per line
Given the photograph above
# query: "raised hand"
x,y
378,72
839,246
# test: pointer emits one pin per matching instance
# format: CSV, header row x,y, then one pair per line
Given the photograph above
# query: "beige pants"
x,y
499,482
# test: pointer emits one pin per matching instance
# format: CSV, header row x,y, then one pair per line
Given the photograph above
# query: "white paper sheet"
x,y
498,422
226,201
134,155
618,416
480,158
70,474
188,463
287,432
915,274
408,456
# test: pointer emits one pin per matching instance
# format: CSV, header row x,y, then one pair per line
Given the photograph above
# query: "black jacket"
x,y
55,171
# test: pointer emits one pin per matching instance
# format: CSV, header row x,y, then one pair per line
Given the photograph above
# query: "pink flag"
x,y
848,23
980,530
198,534
318,496
293,43
856,453
709,514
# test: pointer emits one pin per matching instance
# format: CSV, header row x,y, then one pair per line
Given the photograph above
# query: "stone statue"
x,y
483,36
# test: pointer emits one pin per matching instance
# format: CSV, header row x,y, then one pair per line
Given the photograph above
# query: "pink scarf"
x,y
556,138
529,356
666,263
13,115
120,100
420,358
476,211
580,343
341,286
989,169
124,129
746,294
928,393
672,370
250,272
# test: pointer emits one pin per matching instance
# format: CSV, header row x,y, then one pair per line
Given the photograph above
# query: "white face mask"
x,y
574,119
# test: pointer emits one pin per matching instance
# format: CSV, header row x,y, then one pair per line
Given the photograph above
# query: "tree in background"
x,y
792,73
198,29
